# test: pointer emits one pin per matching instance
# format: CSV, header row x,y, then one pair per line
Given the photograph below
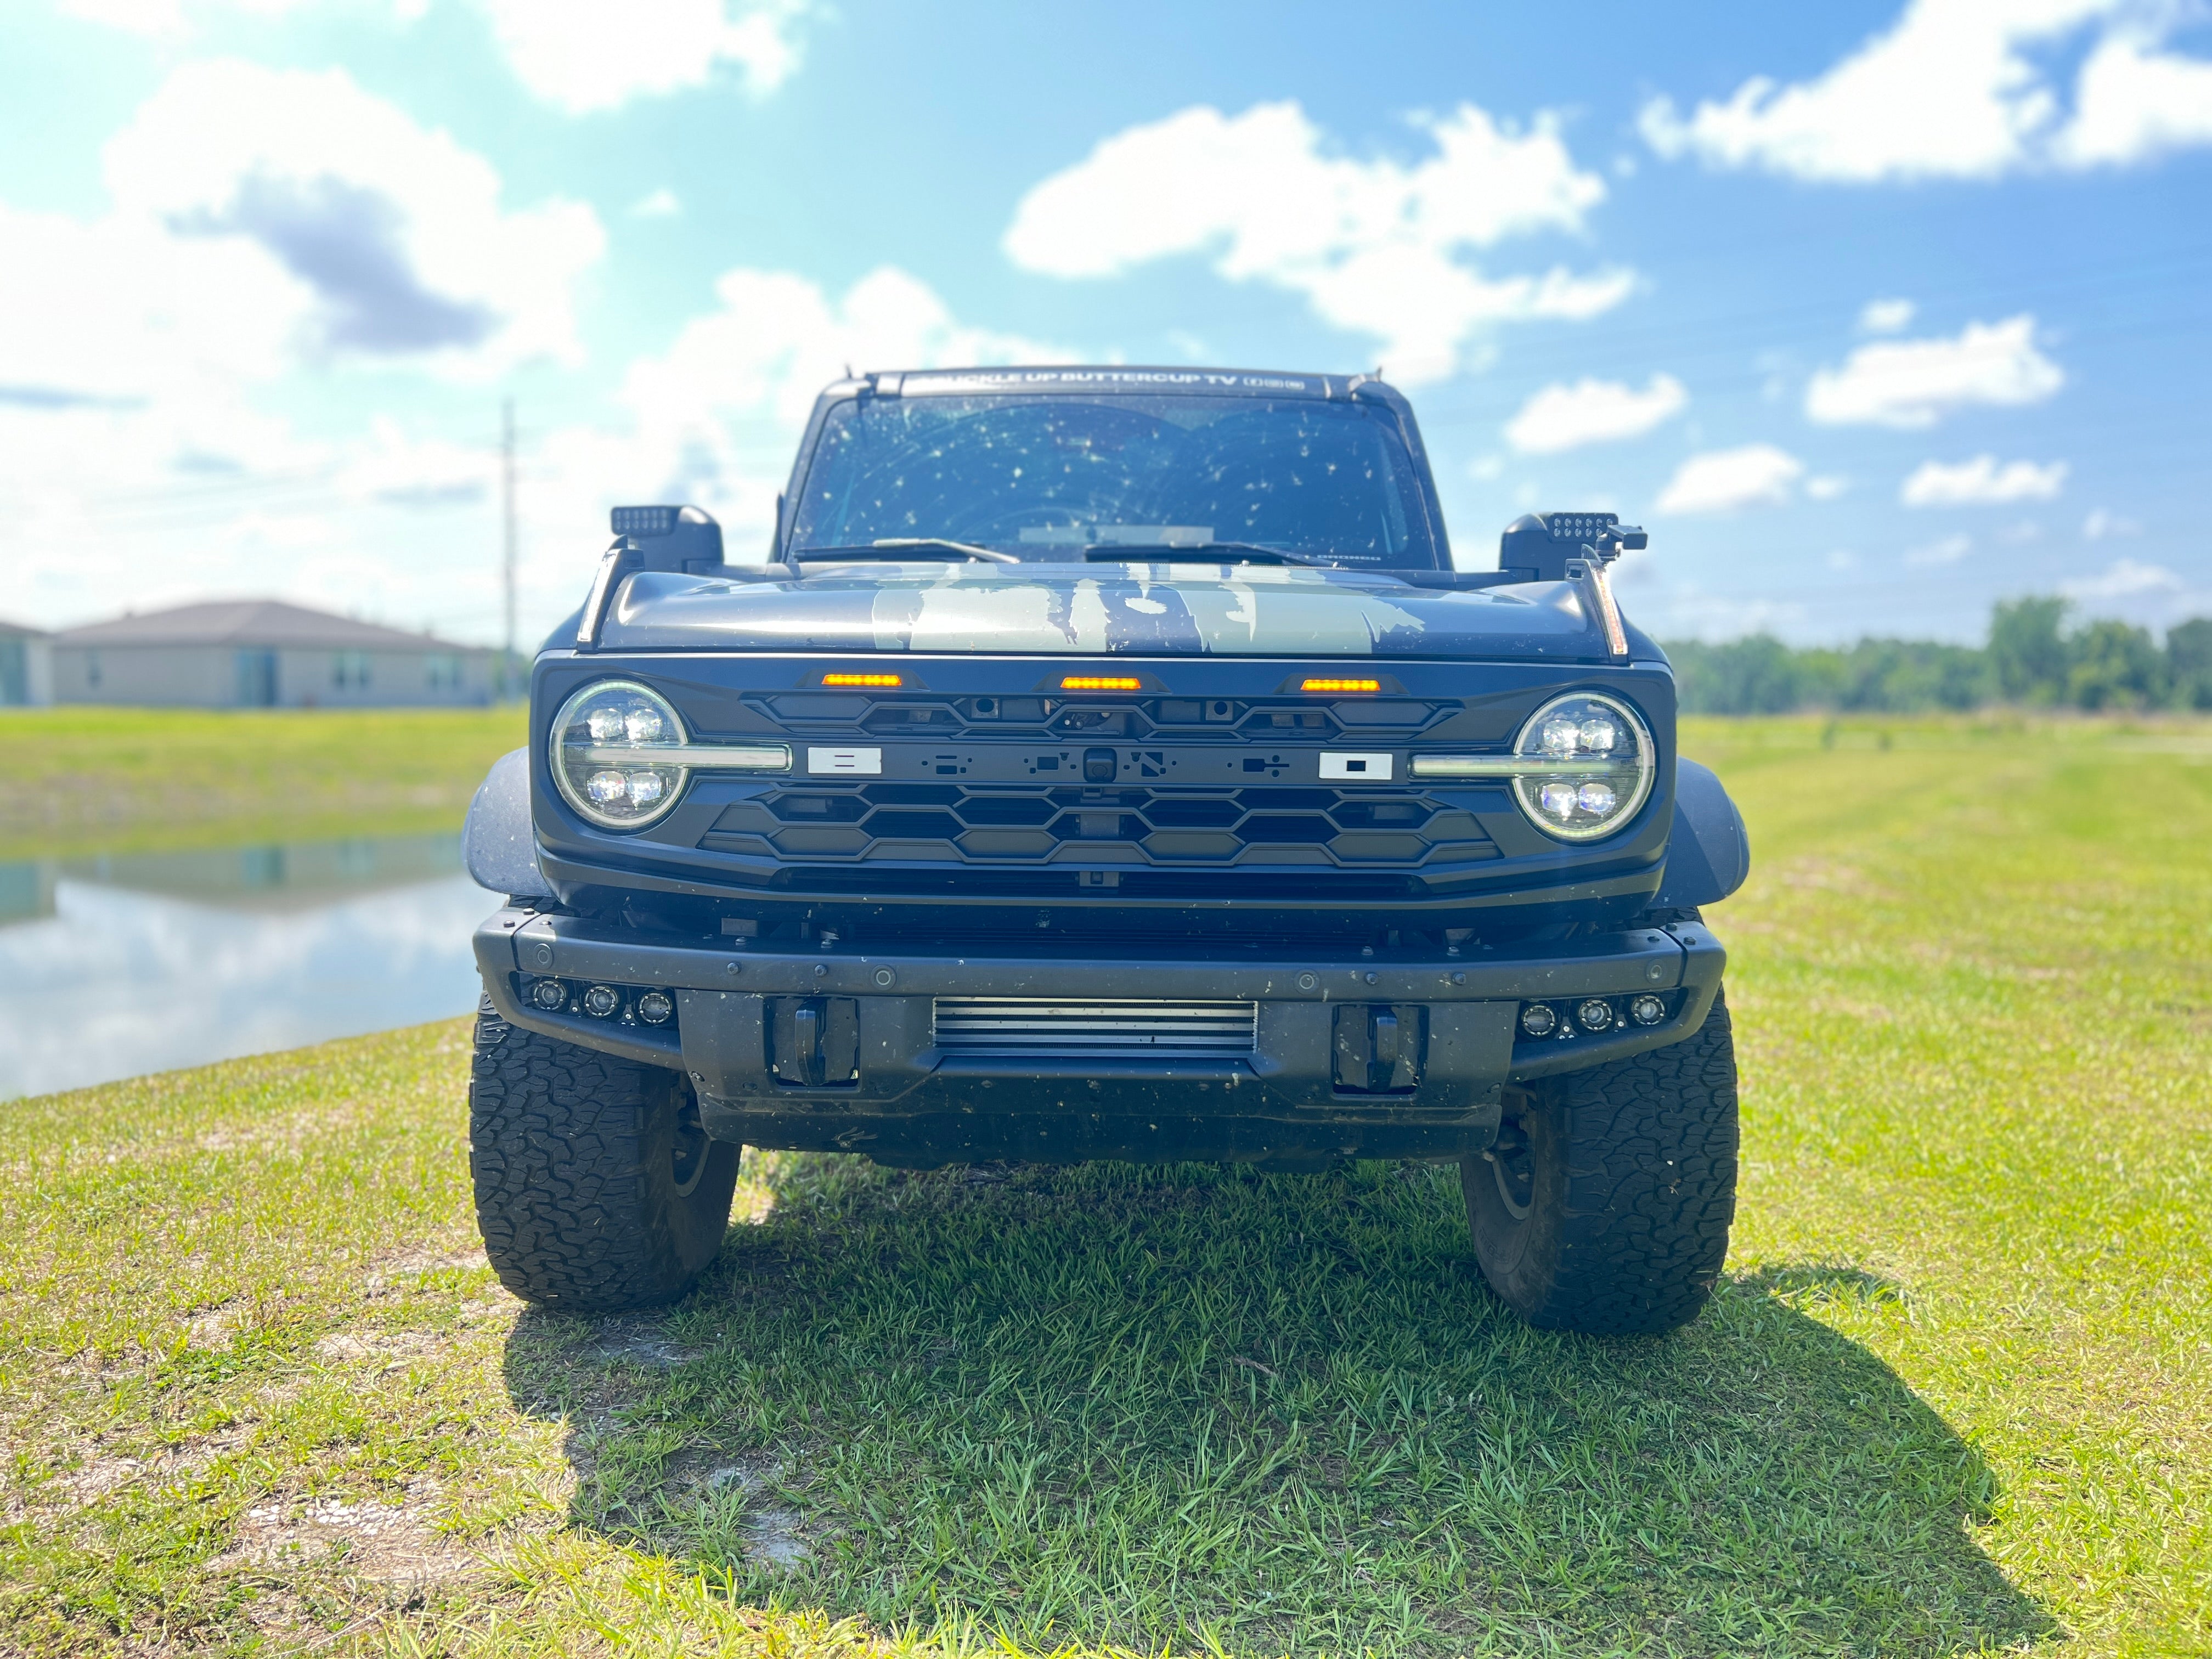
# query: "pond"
x,y
144,962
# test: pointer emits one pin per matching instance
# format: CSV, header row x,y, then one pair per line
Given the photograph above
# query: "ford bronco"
x,y
1108,762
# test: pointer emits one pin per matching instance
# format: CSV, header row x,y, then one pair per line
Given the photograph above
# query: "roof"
x,y
252,622
18,631
1133,378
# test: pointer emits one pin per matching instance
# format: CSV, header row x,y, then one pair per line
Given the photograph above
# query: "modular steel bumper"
x,y
1456,1018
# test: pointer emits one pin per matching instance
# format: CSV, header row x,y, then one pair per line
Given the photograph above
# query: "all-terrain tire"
x,y
1605,1206
595,1188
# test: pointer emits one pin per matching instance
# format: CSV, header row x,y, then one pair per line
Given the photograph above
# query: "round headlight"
x,y
603,753
1590,766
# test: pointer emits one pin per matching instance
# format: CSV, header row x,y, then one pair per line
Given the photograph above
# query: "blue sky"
x,y
1874,314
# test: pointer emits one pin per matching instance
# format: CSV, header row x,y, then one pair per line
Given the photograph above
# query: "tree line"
x,y
2038,656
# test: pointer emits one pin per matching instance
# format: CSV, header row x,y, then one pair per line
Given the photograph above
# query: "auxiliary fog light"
x,y
602,1002
1594,1015
549,993
655,1007
1538,1020
1582,765
1647,1010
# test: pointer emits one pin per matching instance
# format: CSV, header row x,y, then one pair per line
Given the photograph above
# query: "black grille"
x,y
1133,828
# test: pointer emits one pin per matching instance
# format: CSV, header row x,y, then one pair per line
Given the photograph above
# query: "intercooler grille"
x,y
1043,1026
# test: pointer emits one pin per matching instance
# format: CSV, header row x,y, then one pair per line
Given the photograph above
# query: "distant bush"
x,y
2036,657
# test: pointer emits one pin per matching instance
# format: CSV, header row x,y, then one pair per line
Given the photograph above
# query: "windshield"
x,y
1049,476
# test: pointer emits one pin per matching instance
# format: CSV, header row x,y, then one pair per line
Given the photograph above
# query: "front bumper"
x,y
912,1099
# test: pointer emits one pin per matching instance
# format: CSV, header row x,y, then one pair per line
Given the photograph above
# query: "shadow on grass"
x,y
1166,1405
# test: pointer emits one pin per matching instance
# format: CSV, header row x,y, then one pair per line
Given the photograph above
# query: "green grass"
x,y
259,1391
140,780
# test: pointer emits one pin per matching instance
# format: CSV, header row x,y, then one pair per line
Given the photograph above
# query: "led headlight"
x,y
604,759
1582,765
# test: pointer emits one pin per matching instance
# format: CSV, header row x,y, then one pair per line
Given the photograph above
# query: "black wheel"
x,y
596,1188
1605,1205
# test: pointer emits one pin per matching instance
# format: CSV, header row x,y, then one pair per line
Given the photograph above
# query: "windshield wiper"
x,y
893,547
1197,553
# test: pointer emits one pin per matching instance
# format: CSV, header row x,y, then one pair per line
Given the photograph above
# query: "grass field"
x,y
259,1392
139,780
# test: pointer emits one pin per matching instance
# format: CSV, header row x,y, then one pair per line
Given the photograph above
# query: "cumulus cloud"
x,y
583,56
397,237
1911,383
1562,416
1963,90
1376,246
2122,579
1725,480
662,204
1981,481
1886,316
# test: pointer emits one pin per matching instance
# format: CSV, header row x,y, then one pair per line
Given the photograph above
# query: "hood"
x,y
1106,610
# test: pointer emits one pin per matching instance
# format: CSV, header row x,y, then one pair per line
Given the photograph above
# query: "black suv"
x,y
1108,762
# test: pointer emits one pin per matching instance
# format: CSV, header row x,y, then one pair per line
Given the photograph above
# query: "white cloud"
x,y
1962,89
1910,383
1886,316
662,204
583,56
1589,411
1376,246
2103,522
1981,481
1842,558
1949,551
1825,487
395,238
2134,102
261,220
2122,579
1724,480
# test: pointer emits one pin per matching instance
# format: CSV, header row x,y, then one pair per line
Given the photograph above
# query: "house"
x,y
26,666
264,653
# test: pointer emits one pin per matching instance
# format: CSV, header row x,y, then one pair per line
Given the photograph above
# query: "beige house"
x,y
26,666
264,653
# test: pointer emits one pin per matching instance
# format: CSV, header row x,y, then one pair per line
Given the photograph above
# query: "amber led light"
x,y
1101,682
1342,686
862,679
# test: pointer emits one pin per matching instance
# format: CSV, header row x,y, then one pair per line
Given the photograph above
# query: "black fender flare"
x,y
497,844
1708,852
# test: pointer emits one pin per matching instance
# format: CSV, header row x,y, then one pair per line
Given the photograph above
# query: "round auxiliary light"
x,y
655,1007
602,1002
1594,1015
1647,1010
1539,1021
611,753
1590,766
549,993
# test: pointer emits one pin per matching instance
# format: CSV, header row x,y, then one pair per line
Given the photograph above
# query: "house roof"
x,y
17,631
253,622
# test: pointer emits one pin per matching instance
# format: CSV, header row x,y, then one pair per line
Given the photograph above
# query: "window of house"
x,y
349,669
442,672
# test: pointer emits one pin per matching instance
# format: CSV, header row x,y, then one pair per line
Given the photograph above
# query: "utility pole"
x,y
508,550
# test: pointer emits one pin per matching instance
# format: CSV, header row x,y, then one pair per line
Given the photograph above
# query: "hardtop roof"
x,y
1131,379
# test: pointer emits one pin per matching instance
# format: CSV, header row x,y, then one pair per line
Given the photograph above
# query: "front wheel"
x,y
596,1188
1605,1204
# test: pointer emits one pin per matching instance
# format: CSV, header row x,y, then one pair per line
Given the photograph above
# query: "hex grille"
x,y
1263,827
1033,1025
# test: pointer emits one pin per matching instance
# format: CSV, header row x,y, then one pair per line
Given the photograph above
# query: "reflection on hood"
x,y
1102,610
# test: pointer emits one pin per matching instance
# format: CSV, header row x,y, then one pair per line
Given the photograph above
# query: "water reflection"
x,y
142,961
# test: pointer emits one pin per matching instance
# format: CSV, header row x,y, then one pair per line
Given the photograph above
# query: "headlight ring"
x,y
602,750
1587,766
